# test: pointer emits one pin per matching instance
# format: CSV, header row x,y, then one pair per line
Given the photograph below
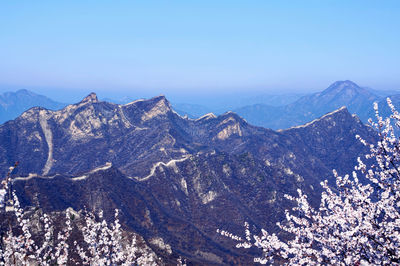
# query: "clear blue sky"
x,y
198,46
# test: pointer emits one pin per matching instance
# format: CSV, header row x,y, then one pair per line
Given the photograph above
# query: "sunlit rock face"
x,y
175,178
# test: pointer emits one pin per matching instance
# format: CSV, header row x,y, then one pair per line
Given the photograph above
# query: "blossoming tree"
x,y
106,245
102,244
357,223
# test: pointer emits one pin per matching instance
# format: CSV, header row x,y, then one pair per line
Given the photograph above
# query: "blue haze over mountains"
x,y
275,111
280,111
358,100
13,104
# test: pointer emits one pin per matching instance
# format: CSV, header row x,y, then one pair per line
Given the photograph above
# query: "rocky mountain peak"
x,y
91,98
155,107
8,97
231,114
229,124
233,118
161,100
24,91
342,86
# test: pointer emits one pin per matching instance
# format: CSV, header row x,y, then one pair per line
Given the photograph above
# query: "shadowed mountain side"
x,y
326,134
108,189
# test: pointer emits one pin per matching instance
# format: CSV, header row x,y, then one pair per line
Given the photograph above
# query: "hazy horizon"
x,y
228,99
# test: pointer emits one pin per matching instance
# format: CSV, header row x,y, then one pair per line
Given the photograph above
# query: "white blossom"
x,y
103,243
3,193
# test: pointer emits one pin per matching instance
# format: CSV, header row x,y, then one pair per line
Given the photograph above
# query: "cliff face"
x,y
172,177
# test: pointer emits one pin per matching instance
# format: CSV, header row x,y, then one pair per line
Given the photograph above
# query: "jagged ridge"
x,y
193,176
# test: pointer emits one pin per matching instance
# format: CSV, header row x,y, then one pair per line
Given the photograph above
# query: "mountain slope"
x,y
192,175
106,189
358,100
13,104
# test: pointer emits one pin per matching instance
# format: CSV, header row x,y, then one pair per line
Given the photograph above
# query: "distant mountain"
x,y
383,93
173,177
219,105
281,99
224,105
123,100
13,104
192,110
358,100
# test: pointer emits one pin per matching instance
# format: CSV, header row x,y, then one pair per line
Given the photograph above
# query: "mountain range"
x,y
219,105
270,111
13,104
358,100
173,177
